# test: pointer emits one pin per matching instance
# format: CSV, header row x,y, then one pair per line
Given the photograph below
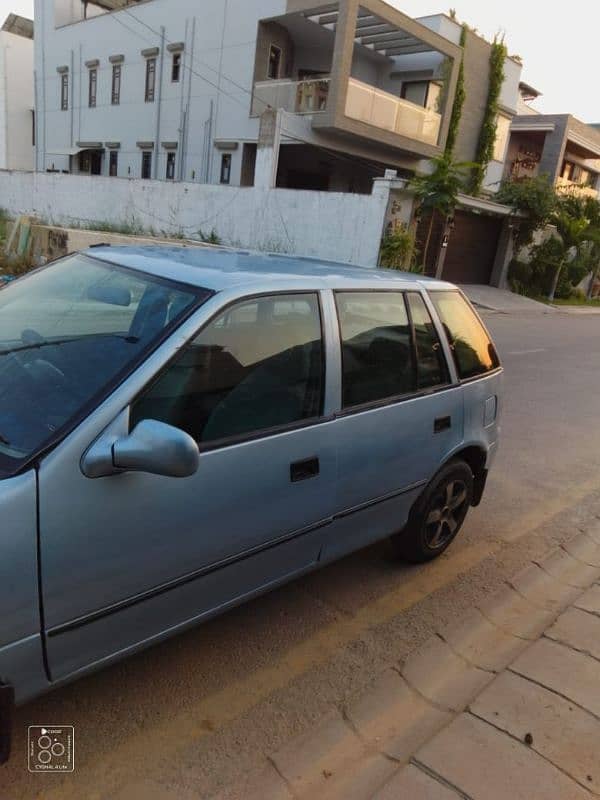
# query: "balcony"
x,y
565,186
297,97
383,110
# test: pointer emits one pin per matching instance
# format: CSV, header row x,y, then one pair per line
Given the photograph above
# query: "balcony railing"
x,y
297,97
565,186
383,110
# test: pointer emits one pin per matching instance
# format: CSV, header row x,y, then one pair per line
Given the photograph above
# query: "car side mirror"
x,y
152,447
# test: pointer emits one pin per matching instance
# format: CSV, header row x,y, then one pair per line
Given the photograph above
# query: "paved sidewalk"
x,y
503,301
504,705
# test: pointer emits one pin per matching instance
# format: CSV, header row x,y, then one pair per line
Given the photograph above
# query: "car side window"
x,y
432,369
259,365
377,352
474,351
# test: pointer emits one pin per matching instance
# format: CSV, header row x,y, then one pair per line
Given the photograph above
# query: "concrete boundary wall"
x,y
343,227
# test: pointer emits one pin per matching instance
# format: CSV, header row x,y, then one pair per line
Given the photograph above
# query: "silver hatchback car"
x,y
182,429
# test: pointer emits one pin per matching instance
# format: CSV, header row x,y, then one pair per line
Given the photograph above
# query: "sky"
x,y
558,43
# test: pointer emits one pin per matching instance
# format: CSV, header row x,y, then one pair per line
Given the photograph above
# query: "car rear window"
x,y
474,351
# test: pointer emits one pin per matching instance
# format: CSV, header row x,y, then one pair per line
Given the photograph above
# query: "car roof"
x,y
220,268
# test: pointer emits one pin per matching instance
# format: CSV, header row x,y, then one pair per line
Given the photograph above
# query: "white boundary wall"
x,y
328,225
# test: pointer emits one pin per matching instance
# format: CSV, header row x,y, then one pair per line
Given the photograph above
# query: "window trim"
x,y
497,370
397,398
265,433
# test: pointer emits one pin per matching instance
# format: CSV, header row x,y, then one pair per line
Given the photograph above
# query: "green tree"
x,y
535,199
577,224
437,192
489,125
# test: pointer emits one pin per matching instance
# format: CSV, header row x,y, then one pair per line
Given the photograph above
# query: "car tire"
x,y
437,516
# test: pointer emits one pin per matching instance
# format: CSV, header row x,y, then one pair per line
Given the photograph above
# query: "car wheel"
x,y
438,514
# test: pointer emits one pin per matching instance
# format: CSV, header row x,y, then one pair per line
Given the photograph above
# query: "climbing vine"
x,y
487,136
459,99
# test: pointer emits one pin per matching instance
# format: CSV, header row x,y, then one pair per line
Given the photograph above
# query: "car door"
x,y
401,415
129,557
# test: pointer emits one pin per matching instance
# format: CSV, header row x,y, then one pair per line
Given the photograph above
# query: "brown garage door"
x,y
472,248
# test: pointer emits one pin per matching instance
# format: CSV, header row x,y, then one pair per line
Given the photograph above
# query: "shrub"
x,y
399,249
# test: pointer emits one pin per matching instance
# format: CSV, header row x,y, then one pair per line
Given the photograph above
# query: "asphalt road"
x,y
187,717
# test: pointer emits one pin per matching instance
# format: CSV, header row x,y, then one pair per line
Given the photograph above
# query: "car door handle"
x,y
303,470
442,424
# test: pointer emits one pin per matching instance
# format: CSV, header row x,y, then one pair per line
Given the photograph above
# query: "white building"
x,y
16,94
174,89
182,90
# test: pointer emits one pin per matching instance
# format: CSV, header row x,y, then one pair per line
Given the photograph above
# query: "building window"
x,y
176,67
92,84
115,96
274,68
64,91
171,166
147,164
226,168
150,79
84,161
113,163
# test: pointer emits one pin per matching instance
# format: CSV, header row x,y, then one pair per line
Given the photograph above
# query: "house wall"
x,y
16,101
281,220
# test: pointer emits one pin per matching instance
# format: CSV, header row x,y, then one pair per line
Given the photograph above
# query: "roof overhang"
x,y
65,151
480,205
589,149
532,127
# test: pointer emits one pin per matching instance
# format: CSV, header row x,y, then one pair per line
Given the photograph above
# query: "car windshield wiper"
x,y
50,342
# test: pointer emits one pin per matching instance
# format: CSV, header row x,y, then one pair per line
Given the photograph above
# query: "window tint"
x,y
473,350
432,369
258,365
377,355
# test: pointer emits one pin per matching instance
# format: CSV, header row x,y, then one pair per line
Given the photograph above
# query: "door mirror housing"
x,y
157,448
151,447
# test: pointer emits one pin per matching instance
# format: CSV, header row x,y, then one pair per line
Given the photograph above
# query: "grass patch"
x,y
576,301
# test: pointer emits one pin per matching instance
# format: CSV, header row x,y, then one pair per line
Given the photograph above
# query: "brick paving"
x,y
504,704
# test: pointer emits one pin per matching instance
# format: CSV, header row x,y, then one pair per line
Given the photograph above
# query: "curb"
x,y
359,749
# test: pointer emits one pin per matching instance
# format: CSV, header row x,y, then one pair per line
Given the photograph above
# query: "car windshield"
x,y
69,333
